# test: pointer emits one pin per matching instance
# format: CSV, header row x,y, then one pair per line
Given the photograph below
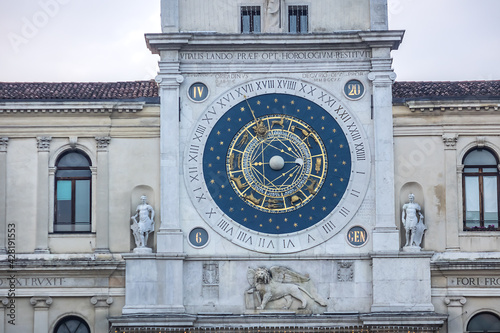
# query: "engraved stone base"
x,y
143,250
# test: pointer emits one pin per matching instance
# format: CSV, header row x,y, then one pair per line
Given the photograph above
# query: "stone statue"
x,y
280,283
143,223
413,221
272,17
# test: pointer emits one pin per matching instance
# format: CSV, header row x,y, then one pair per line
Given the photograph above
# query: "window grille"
x,y
298,19
250,19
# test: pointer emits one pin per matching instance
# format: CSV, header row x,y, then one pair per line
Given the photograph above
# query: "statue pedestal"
x,y
143,250
402,282
152,283
412,249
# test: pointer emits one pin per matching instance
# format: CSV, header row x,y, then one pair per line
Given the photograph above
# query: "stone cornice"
x,y
211,40
454,106
65,107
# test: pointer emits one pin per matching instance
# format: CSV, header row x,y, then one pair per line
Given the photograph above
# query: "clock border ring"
x,y
250,239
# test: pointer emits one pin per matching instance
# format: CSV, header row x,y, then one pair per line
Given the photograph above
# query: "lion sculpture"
x,y
280,282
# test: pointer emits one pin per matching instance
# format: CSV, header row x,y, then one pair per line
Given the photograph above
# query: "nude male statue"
x,y
143,222
413,221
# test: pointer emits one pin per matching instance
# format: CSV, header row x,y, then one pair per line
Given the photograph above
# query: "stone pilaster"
x,y
42,210
101,307
41,314
102,193
3,195
4,314
450,163
455,308
385,234
169,237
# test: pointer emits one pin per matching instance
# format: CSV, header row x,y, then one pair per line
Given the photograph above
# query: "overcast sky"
x,y
103,40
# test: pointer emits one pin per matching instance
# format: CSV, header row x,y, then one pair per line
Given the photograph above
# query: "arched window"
x,y
480,189
72,193
72,324
484,322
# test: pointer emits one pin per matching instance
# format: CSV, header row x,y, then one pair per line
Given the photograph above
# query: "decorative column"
x,y
450,164
101,305
3,195
42,209
455,308
41,317
102,193
385,234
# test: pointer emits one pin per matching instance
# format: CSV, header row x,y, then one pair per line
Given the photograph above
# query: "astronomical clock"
x,y
277,165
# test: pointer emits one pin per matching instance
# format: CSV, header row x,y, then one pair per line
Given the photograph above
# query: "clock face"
x,y
277,165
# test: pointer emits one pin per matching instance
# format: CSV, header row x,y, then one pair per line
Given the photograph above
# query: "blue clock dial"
x,y
277,163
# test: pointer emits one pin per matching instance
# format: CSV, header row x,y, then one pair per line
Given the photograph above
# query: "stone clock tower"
x,y
277,174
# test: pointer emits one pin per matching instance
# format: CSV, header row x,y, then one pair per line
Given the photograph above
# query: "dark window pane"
x,y
480,157
82,201
73,173
484,322
73,159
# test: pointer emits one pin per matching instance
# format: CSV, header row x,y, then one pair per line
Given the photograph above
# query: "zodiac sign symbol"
x,y
311,187
273,204
244,140
237,181
317,166
231,162
294,199
253,199
278,122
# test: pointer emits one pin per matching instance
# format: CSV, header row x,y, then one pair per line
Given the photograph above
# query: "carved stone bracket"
x,y
3,144
345,271
382,78
480,140
102,142
169,80
455,301
43,302
43,143
101,301
450,140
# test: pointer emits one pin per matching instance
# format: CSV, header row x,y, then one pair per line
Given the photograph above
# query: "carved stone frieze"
x,y
279,287
450,140
345,271
3,144
43,143
102,142
210,274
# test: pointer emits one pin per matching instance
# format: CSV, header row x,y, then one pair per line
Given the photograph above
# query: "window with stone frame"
x,y
480,190
298,19
250,19
72,202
